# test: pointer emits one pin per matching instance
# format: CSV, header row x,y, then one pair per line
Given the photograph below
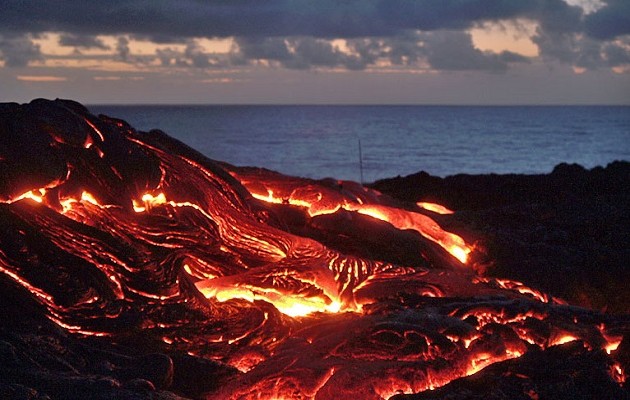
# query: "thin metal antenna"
x,y
360,161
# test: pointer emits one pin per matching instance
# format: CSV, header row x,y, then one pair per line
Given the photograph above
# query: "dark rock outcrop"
x,y
566,233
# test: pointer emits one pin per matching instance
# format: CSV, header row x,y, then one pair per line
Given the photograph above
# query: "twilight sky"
x,y
317,51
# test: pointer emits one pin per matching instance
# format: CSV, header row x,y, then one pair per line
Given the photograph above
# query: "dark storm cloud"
x,y
511,57
555,46
578,50
264,48
311,52
85,41
193,55
610,21
321,19
454,51
18,51
295,33
298,53
616,55
167,57
445,50
197,55
122,49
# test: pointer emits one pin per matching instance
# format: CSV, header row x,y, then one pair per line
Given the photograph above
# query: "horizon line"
x,y
360,104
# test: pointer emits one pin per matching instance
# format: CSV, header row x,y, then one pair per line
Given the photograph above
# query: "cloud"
x,y
616,55
296,53
556,16
298,34
222,80
454,51
404,49
168,56
274,48
122,49
588,54
83,41
444,50
193,55
247,18
107,78
197,55
311,52
609,22
511,57
18,51
555,46
41,78
581,51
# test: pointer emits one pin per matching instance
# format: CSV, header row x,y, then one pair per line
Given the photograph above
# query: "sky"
x,y
316,51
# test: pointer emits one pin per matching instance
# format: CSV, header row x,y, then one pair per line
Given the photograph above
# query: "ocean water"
x,y
386,141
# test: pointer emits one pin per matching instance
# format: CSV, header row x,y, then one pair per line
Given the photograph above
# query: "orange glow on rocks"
x,y
320,201
292,285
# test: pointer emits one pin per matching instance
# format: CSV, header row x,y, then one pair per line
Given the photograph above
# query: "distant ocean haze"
x,y
323,141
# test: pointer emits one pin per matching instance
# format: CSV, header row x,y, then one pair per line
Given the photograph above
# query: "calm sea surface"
x,y
323,141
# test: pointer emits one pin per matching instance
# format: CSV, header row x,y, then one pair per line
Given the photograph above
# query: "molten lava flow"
x,y
320,201
436,208
294,306
35,195
149,202
138,239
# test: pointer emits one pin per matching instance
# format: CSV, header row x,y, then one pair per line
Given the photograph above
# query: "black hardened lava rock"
x,y
566,233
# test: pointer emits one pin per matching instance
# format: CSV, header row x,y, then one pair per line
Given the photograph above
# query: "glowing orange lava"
x,y
320,202
142,241
436,208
